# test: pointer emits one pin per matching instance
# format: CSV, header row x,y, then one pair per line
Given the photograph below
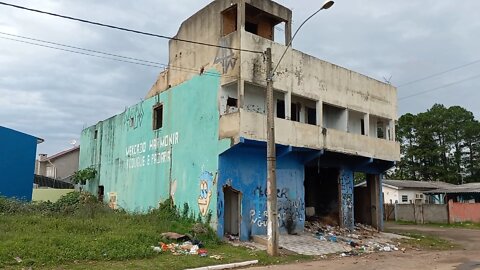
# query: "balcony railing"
x,y
252,125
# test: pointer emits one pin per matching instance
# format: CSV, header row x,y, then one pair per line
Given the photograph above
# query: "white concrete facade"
x,y
319,105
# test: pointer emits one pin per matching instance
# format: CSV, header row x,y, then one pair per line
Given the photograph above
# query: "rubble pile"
x,y
189,247
361,240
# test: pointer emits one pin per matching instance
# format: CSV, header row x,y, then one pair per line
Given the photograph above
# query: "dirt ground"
x,y
466,257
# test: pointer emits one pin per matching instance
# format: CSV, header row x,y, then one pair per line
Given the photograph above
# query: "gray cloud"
x,y
54,94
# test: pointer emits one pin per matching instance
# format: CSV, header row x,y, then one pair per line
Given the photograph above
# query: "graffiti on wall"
x,y
207,182
134,117
225,56
289,209
155,151
112,200
346,186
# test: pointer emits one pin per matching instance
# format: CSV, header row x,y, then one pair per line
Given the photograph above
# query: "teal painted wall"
x,y
134,161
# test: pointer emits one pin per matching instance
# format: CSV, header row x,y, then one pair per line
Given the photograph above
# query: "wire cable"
x,y
439,73
119,60
155,64
126,29
440,87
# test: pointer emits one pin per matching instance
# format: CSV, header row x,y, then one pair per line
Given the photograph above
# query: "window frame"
x,y
156,107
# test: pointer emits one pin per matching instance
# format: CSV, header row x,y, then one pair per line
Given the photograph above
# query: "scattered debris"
x,y
18,259
175,236
363,239
217,257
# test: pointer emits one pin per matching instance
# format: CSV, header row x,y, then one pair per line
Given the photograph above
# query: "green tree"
x,y
82,176
439,144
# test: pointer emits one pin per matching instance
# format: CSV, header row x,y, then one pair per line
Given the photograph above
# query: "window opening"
x,y
404,198
281,108
295,113
311,116
229,20
380,131
251,27
232,102
95,134
362,125
158,116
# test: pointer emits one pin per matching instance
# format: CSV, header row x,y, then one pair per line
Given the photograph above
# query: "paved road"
x,y
465,258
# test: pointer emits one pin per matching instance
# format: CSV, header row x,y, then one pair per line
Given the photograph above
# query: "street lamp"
x,y
272,224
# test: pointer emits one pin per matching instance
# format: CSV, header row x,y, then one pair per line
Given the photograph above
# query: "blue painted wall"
x,y
243,167
17,163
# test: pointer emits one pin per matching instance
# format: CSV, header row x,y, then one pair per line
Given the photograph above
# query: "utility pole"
x,y
272,210
272,223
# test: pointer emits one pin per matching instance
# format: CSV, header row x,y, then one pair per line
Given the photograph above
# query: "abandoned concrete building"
x,y
199,135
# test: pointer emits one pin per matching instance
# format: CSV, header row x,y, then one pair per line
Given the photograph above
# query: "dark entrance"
x,y
232,211
322,194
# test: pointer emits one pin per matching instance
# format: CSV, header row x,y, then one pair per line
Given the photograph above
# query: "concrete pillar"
x,y
319,107
288,30
366,123
391,123
347,219
241,93
374,185
301,112
288,105
240,15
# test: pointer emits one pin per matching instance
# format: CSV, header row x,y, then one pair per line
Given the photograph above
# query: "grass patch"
x,y
428,242
462,225
80,233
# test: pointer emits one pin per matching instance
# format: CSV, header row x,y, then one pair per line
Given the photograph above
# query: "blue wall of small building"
x,y
243,168
17,163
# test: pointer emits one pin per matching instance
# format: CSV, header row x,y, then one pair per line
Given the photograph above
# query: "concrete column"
x,y
319,107
288,30
391,123
288,105
240,15
241,93
347,219
301,113
374,185
366,123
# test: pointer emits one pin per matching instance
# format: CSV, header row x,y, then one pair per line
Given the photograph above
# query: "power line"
x,y
105,53
127,29
440,87
439,73
83,49
115,59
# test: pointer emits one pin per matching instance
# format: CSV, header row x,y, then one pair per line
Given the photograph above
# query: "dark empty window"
x,y
230,20
362,126
311,116
295,113
232,102
132,122
157,116
95,134
404,198
251,27
380,131
281,108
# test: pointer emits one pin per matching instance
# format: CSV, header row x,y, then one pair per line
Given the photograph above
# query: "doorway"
x,y
322,194
232,211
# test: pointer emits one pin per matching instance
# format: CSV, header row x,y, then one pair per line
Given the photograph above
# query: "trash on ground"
x,y
175,236
362,239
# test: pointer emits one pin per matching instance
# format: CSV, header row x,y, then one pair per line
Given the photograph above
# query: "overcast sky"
x,y
55,94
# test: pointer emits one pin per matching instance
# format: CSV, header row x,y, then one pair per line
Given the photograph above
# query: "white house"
x,y
408,191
